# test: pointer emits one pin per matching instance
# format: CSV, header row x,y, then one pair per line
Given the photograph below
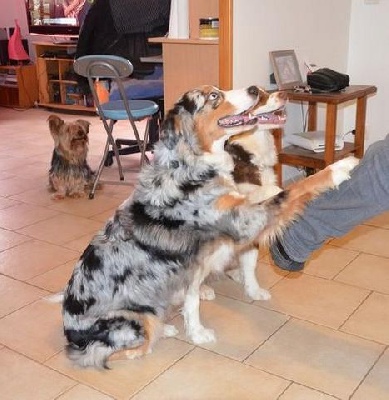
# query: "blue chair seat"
x,y
139,89
140,109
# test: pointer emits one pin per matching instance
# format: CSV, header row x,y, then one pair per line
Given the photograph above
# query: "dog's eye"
x,y
213,96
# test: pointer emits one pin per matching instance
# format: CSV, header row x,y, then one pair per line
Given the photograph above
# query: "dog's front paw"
x,y
207,293
169,330
257,293
203,335
57,196
77,195
341,169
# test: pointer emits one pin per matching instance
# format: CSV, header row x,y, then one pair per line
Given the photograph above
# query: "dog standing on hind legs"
x,y
69,172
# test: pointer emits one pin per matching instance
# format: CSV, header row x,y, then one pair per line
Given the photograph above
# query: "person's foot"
x,y
281,258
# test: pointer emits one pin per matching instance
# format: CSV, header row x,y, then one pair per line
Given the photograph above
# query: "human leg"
x,y
337,211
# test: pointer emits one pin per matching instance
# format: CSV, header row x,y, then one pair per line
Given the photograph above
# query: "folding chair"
x,y
115,69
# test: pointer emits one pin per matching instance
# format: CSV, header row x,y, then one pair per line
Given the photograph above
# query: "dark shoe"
x,y
282,260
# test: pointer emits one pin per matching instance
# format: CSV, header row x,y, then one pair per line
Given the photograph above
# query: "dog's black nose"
x,y
253,90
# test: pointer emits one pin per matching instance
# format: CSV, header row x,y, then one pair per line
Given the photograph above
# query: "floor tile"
x,y
84,208
267,276
15,185
310,298
240,328
33,258
376,384
6,202
37,196
61,228
329,261
56,279
35,330
82,392
299,392
125,378
371,320
203,375
15,294
81,243
336,349
106,215
367,271
6,174
367,239
381,220
22,215
318,357
27,380
10,239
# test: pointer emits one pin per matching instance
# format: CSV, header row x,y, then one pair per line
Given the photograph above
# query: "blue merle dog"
x,y
184,220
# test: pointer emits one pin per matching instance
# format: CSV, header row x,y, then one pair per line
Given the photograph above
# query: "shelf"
x,y
184,41
73,107
57,83
63,81
22,90
297,156
57,59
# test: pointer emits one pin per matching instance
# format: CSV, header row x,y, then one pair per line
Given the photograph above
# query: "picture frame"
x,y
286,69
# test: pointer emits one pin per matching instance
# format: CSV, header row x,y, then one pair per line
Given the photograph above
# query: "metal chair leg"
x,y
115,150
143,156
99,171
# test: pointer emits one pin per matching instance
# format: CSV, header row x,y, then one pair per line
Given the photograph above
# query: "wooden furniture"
x,y
56,78
18,86
297,156
192,62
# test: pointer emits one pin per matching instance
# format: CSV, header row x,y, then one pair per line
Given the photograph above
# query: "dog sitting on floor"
x,y
69,172
185,212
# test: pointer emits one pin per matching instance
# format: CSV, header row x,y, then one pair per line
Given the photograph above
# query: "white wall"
x,y
368,63
15,9
350,36
310,27
11,10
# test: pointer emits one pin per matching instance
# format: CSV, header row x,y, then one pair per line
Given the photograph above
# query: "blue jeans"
x,y
337,211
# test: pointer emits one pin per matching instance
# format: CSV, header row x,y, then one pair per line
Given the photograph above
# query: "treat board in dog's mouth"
x,y
275,117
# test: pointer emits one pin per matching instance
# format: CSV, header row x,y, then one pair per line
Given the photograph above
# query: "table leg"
x,y
360,120
312,116
329,152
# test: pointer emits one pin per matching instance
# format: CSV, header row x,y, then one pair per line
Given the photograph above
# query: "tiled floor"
x,y
323,335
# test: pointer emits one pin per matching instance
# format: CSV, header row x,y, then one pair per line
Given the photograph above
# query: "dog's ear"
x,y
55,124
85,124
179,120
169,131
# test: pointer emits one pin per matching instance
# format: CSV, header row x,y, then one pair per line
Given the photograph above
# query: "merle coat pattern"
x,y
184,210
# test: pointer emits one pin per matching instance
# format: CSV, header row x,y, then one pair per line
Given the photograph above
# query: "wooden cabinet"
x,y
58,87
18,86
192,62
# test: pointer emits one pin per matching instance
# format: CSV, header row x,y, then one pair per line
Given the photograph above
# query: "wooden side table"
x,y
297,156
18,86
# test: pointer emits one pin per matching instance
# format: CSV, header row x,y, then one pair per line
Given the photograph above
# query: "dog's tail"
x,y
287,205
125,333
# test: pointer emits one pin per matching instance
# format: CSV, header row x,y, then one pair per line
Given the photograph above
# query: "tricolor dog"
x,y
185,212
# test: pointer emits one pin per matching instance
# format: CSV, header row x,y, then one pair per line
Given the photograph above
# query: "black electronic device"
x,y
50,17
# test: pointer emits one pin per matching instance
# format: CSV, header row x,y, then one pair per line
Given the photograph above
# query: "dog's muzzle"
x,y
276,117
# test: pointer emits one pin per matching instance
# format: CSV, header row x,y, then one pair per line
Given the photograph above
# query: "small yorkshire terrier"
x,y
69,172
